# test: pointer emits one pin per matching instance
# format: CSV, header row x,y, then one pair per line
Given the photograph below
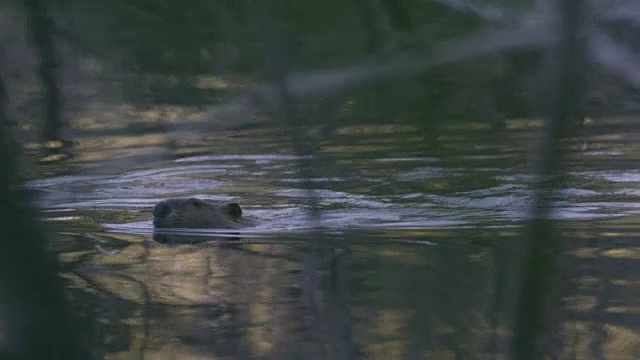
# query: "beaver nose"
x,y
160,210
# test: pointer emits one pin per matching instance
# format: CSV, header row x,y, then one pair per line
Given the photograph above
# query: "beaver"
x,y
197,213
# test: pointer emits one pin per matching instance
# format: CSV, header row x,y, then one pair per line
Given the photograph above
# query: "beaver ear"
x,y
234,210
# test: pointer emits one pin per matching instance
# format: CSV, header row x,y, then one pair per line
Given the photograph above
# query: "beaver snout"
x,y
161,210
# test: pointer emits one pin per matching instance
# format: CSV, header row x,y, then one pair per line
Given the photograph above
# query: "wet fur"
x,y
197,213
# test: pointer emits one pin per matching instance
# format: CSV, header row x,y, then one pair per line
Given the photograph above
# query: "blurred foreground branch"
x,y
35,316
41,30
536,298
538,34
333,82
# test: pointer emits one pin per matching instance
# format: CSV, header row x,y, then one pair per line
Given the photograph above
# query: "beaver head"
x,y
192,212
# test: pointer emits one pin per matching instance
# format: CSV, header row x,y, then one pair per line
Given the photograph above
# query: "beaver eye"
x,y
196,202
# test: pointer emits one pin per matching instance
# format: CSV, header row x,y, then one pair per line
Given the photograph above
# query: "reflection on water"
x,y
414,249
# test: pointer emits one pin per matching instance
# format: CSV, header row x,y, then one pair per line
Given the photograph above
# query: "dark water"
x,y
402,244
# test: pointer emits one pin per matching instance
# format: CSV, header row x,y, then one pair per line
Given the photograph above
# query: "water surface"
x,y
401,244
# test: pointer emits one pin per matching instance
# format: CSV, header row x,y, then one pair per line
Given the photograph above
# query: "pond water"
x,y
401,244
